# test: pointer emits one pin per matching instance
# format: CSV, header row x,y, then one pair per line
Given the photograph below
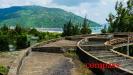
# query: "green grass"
x,y
70,54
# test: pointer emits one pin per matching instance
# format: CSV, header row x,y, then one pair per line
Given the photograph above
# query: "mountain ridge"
x,y
38,16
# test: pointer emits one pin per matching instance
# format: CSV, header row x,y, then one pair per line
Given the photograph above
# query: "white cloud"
x,y
9,3
97,11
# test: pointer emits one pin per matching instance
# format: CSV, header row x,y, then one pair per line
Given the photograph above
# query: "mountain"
x,y
37,16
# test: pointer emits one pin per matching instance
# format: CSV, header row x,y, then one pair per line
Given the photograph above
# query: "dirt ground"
x,y
6,58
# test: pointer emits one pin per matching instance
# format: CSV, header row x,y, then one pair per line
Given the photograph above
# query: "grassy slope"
x,y
38,16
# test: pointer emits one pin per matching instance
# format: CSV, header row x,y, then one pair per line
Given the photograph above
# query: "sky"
x,y
95,10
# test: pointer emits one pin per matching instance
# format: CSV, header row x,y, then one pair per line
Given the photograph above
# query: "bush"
x,y
70,53
33,32
3,70
103,31
4,43
22,42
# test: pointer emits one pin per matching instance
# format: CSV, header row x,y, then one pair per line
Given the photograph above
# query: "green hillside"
x,y
37,16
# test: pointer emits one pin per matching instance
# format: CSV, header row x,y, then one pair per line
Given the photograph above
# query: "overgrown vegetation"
x,y
4,43
20,37
80,67
74,29
123,20
3,70
70,53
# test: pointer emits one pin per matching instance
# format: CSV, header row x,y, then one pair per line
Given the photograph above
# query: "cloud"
x,y
74,2
96,10
9,3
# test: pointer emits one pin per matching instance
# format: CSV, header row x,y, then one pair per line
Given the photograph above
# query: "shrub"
x,y
3,70
103,30
22,42
4,43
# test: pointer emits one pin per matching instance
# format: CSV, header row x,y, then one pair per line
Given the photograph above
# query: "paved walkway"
x,y
39,63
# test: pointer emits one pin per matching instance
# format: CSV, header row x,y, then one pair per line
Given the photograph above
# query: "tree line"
x,y
70,28
122,21
19,36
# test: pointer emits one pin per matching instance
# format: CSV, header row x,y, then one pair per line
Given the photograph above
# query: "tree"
x,y
4,44
70,29
123,20
85,27
12,34
22,42
33,32
4,28
76,30
64,30
19,29
104,30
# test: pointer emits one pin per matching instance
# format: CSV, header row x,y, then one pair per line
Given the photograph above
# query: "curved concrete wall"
x,y
118,46
86,57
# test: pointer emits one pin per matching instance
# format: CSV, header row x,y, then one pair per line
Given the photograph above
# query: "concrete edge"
x,y
78,46
16,65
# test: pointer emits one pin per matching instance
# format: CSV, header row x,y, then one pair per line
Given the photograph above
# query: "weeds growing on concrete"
x,y
80,67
